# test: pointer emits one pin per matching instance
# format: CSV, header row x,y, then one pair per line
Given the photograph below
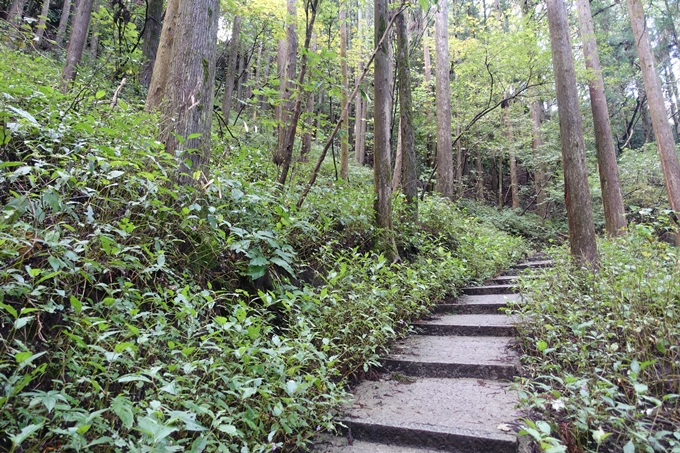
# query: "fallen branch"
x,y
114,100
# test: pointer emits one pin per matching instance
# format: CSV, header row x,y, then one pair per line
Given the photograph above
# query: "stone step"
x,y
475,305
501,280
454,415
468,325
491,289
453,357
533,264
337,444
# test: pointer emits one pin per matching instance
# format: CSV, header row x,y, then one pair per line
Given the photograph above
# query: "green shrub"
x,y
602,347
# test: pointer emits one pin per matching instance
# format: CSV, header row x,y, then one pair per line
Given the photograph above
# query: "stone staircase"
x,y
445,389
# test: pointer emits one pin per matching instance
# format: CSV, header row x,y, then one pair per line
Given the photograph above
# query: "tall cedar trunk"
x,y
536,110
241,75
150,39
257,78
398,158
76,43
281,75
427,65
42,23
289,141
16,11
359,115
409,177
514,184
359,111
309,119
161,67
657,108
499,175
444,183
187,108
479,176
381,121
94,32
577,192
231,68
344,136
63,22
612,199
287,83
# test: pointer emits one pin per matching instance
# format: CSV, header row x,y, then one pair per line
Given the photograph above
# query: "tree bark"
x,y
612,199
381,151
161,66
427,64
151,38
16,12
257,77
231,68
409,176
657,108
359,109
63,22
444,182
307,137
42,23
76,43
287,82
344,136
187,109
514,184
241,74
577,193
535,111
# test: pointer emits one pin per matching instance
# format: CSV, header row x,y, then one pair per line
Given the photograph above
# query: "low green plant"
x,y
601,347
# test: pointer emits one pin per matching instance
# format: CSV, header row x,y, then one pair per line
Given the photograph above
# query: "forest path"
x,y
446,388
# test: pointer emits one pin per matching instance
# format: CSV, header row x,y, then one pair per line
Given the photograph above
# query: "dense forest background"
x,y
216,214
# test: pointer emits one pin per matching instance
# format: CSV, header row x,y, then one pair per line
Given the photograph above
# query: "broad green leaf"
x,y
25,433
122,407
76,304
9,310
100,94
21,322
629,447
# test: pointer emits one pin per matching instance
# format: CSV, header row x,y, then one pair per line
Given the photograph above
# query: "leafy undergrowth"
x,y
139,315
602,349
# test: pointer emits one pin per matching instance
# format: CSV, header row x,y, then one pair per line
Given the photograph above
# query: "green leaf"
x,y
21,322
55,263
76,304
541,345
291,386
283,264
9,309
100,94
629,447
24,114
543,426
227,429
122,407
25,433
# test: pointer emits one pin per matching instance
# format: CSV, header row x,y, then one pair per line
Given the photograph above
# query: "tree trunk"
x,y
161,67
398,158
94,35
281,74
76,43
514,184
499,185
309,120
359,111
242,75
287,82
16,12
657,108
409,176
63,22
427,65
612,199
151,38
381,121
187,109
479,176
536,110
289,141
444,183
257,78
231,69
344,135
577,193
42,23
